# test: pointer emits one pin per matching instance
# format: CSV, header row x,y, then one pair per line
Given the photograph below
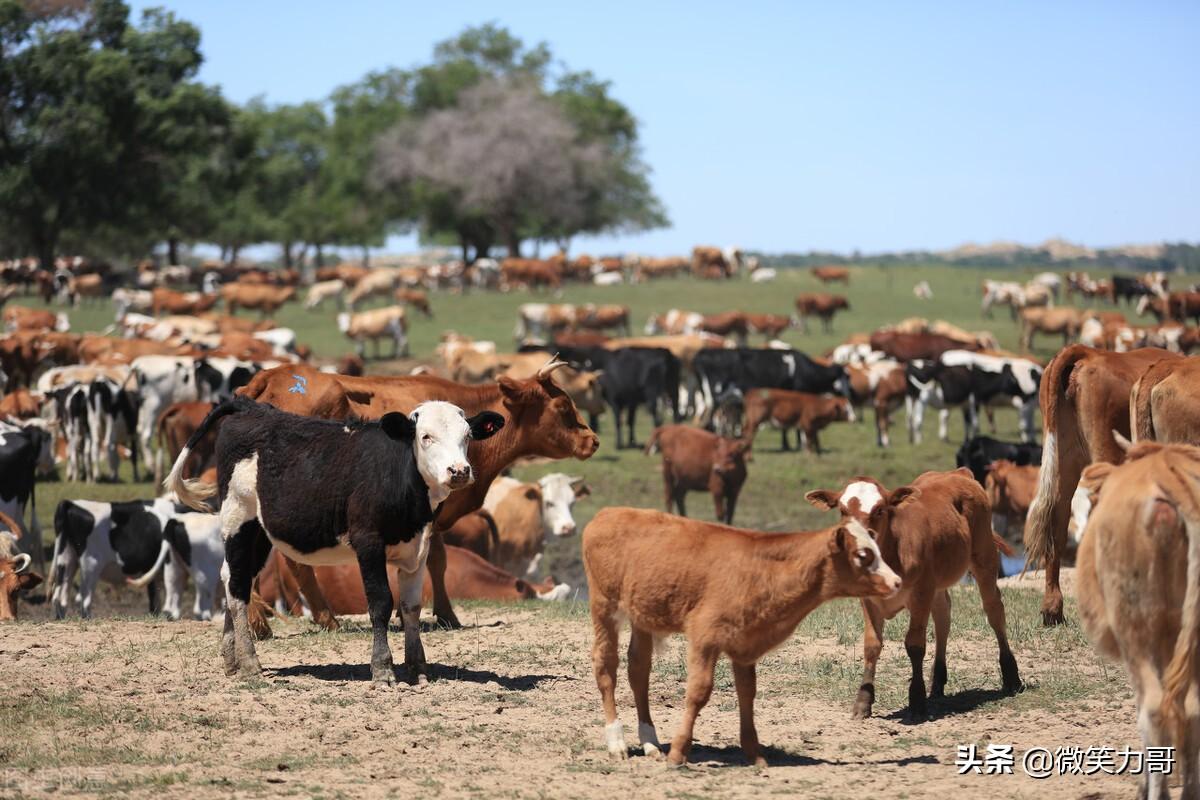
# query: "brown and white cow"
x,y
417,298
1138,584
1064,321
390,322
1084,398
23,318
527,515
379,282
821,305
699,461
15,575
787,410
883,384
931,533
733,592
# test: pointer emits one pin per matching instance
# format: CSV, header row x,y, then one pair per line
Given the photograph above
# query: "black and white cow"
x,y
217,378
978,453
160,381
192,545
327,492
114,541
23,451
969,380
634,376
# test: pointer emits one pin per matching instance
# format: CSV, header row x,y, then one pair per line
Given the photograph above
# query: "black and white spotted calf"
x,y
326,492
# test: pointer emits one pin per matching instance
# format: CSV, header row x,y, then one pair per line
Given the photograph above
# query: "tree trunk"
x,y
320,256
224,254
233,253
366,255
287,255
172,250
466,247
512,243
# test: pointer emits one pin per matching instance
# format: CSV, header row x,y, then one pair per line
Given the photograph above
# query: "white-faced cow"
x,y
370,490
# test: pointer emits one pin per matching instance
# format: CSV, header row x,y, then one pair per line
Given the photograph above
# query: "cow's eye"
x,y
865,557
427,440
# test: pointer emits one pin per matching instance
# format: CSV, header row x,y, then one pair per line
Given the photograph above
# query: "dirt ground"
x,y
141,706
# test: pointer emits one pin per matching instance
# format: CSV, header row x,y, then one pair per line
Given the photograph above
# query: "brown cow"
x,y
175,427
23,318
389,322
515,272
652,268
1084,398
15,578
20,404
105,349
699,461
1062,320
784,409
264,298
931,532
602,318
541,422
1139,598
829,274
417,298
1010,490
710,263
912,346
582,386
769,326
476,532
1163,403
732,592
169,301
821,305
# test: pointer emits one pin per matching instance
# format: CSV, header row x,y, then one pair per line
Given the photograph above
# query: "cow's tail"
x,y
1003,546
194,492
493,531
152,573
652,442
1039,538
1180,673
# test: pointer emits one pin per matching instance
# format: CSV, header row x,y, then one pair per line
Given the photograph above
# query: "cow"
x,y
699,461
639,375
1125,287
770,326
1064,321
783,409
1163,403
92,536
191,546
914,346
1139,600
15,576
526,515
23,451
319,292
721,373
603,318
711,262
583,387
819,305
378,282
542,423
263,298
417,298
515,272
169,301
829,274
733,592
265,457
930,532
390,322
159,381
1084,399
176,425
1010,490
22,318
20,404
541,320
980,452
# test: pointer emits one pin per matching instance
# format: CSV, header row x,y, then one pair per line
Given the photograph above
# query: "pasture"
x,y
125,703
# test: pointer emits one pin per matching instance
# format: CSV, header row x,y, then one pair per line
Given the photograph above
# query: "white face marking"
x,y
867,494
558,495
441,448
863,541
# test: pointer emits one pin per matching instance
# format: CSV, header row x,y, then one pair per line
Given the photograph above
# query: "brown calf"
x,y
885,386
819,304
785,409
696,460
731,592
931,532
1010,490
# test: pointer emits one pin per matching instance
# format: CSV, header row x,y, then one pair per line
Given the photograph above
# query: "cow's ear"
x,y
533,493
513,390
904,494
398,426
841,537
581,488
822,498
484,424
28,580
1094,475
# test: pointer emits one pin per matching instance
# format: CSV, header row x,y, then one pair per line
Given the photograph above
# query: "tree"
x,y
91,111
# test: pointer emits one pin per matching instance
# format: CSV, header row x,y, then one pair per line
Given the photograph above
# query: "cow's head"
x,y
547,417
15,578
439,433
559,493
866,501
858,565
731,456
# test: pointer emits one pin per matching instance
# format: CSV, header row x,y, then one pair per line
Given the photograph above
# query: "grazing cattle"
x,y
711,262
91,536
980,452
1050,280
378,323
169,301
318,293
515,272
22,452
1175,306
1163,403
914,346
634,376
543,422
819,305
695,460
721,372
1063,321
653,268
931,533
266,457
770,326
525,515
829,274
541,320
191,546
379,282
1125,287
263,298
1010,490
1084,399
1139,599
787,410
732,592
676,322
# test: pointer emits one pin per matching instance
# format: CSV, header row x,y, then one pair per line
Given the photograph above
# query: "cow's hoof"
x,y
917,715
676,758
382,679
861,711
1052,618
249,670
757,761
652,751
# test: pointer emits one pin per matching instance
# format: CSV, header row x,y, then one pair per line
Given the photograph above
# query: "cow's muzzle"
x,y
460,476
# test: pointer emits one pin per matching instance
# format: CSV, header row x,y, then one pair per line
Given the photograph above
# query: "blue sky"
x,y
802,125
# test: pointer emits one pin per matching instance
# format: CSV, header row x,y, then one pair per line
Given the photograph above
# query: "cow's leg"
x,y
246,551
919,605
89,574
604,665
668,489
941,633
814,441
616,412
1148,692
152,597
731,504
322,614
784,444
411,584
915,412
718,496
680,494
701,662
372,563
745,680
990,413
641,650
66,564
630,422
881,426
872,647
174,581
436,564
985,565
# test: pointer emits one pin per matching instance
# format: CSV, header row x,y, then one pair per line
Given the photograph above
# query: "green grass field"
x,y
773,496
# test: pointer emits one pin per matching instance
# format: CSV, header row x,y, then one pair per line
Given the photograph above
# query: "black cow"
x,y
23,450
328,492
1125,287
978,453
632,376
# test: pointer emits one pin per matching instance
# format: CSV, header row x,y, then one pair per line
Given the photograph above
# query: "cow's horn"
x,y
21,562
548,368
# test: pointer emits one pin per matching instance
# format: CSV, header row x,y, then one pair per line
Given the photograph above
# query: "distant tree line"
x,y
110,147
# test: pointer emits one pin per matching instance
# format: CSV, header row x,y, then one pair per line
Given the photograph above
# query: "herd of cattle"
x,y
408,472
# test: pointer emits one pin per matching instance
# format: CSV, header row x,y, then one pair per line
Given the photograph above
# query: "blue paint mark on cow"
x,y
301,385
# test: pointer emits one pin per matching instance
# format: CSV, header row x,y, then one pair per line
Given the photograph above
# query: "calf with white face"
x,y
327,492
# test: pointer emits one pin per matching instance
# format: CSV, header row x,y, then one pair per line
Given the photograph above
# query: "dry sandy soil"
x,y
141,706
